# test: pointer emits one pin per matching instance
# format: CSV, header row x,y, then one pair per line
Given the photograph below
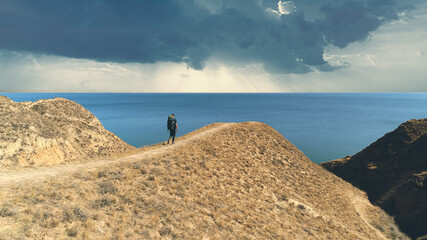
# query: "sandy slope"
x,y
52,131
224,181
15,176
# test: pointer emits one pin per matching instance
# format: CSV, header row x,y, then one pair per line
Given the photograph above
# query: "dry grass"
x,y
52,131
243,182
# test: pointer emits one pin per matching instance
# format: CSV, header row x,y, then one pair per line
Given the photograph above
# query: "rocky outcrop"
x,y
52,131
392,171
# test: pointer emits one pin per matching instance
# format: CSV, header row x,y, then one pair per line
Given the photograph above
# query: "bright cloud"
x,y
390,61
24,72
286,7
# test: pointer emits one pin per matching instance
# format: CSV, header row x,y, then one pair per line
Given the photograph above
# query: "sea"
x,y
325,126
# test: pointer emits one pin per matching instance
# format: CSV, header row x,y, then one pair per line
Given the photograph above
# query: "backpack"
x,y
171,122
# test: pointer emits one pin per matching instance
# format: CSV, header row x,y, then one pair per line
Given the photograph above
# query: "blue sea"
x,y
324,126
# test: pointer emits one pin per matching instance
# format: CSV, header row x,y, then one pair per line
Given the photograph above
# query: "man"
x,y
172,127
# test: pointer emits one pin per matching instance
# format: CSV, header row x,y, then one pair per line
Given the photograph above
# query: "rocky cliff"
x,y
52,131
392,171
224,181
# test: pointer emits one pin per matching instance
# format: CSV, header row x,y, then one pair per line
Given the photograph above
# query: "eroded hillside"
x,y
393,172
52,131
224,181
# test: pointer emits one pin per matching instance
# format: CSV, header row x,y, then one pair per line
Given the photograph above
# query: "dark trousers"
x,y
172,135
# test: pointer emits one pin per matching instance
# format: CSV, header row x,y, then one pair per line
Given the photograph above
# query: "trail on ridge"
x,y
8,177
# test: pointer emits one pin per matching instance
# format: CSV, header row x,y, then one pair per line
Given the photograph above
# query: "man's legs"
x,y
173,132
172,136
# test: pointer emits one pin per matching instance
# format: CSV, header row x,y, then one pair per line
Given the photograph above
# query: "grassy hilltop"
x,y
224,181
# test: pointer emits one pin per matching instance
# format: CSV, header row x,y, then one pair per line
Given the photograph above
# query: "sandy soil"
x,y
8,177
223,181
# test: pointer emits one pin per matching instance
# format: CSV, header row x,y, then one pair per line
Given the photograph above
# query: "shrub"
x,y
72,232
107,187
79,214
7,211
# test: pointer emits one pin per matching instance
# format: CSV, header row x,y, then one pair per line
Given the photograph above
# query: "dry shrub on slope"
x,y
227,181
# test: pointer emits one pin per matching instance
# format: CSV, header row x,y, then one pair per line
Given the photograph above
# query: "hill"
x,y
393,172
224,181
52,131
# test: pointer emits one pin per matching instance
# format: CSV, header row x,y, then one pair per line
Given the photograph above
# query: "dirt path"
x,y
360,205
8,177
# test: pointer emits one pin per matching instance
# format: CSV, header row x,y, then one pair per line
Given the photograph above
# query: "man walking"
x,y
172,127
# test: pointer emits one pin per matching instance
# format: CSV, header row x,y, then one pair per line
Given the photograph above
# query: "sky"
x,y
213,46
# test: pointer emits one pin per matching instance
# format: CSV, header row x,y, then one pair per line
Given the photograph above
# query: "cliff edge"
x,y
393,172
52,131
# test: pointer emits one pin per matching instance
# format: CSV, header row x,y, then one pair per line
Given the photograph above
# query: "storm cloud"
x,y
285,36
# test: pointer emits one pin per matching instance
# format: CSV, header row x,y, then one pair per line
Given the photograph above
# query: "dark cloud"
x,y
188,31
353,20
